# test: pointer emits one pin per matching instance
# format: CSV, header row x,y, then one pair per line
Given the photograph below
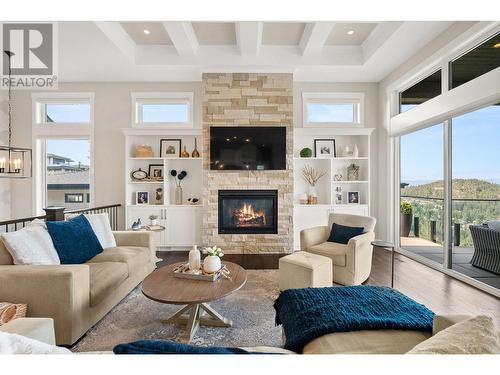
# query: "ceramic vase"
x,y
355,152
212,264
185,153
178,195
194,259
313,195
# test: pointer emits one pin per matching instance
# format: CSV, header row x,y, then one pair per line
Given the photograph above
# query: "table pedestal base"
x,y
192,316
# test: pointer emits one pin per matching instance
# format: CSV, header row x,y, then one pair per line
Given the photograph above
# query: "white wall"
x,y
371,116
112,112
4,182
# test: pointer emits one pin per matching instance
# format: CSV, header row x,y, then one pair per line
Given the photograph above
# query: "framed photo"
x,y
324,148
353,197
156,171
142,197
170,148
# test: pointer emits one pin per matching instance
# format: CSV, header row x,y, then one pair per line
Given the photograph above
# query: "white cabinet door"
x,y
307,217
184,226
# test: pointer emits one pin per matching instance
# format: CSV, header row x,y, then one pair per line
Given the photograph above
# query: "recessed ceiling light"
x,y
147,32
350,32
496,45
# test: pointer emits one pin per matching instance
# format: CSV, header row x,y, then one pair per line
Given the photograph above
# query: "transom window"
x,y
163,109
332,109
420,92
64,112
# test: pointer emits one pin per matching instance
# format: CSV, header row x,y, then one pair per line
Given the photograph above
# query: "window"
x,y
420,92
66,112
62,134
67,172
332,109
476,62
163,109
73,198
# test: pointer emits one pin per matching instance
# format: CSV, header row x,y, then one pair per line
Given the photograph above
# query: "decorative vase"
x,y
355,152
211,264
184,153
347,151
195,153
313,195
194,259
178,195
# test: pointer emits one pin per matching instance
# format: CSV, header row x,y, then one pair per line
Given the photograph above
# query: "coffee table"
x,y
162,286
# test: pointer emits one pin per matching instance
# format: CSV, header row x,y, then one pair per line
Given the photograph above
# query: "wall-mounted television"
x,y
247,148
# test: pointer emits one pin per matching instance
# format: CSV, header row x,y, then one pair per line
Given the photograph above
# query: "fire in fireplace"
x,y
248,211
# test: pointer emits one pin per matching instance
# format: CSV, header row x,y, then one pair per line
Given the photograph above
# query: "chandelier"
x,y
15,162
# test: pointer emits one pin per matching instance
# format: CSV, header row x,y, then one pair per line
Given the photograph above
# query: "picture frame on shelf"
x,y
156,171
324,148
353,197
170,148
142,197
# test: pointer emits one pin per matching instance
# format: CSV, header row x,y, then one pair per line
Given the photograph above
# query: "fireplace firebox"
x,y
248,211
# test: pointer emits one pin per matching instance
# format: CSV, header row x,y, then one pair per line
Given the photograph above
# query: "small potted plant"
x,y
212,262
406,218
153,219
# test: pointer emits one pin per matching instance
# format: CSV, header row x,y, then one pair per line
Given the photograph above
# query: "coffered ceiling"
x,y
180,51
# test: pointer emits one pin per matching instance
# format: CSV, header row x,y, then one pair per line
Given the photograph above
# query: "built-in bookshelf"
x,y
335,168
182,221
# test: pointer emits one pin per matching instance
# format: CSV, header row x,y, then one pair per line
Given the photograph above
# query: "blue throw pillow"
x,y
74,240
171,347
343,233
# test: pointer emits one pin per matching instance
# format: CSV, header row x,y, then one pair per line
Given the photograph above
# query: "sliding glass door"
x,y
475,171
421,194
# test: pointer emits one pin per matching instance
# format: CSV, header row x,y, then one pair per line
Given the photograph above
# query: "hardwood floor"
x,y
439,292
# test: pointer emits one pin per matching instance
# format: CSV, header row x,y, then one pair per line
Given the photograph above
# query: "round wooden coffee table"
x,y
162,286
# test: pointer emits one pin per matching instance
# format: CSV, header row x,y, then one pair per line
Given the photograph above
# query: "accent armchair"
x,y
351,263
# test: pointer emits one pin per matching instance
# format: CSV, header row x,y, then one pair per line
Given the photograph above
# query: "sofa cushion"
x,y
101,227
343,233
172,347
335,251
477,335
383,341
74,240
105,277
31,245
134,257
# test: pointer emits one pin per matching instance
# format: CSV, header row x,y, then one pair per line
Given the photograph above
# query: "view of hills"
x,y
463,212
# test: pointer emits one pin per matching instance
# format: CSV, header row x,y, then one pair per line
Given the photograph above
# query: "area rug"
x,y
136,317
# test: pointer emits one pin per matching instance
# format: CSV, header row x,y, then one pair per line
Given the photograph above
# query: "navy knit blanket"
x,y
309,313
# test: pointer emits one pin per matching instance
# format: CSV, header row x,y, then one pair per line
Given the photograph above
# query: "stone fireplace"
x,y
253,99
248,212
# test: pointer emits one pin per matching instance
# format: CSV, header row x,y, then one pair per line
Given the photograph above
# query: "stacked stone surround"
x,y
240,99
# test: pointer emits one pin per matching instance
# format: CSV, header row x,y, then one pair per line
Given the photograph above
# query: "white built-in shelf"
x,y
161,159
146,182
350,182
150,206
336,158
349,205
312,205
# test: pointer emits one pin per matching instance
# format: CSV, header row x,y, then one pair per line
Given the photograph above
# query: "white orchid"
x,y
213,251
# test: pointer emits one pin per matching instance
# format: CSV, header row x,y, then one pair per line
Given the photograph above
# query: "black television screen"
x,y
247,148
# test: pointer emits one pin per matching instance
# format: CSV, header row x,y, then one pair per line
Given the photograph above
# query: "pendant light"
x,y
15,162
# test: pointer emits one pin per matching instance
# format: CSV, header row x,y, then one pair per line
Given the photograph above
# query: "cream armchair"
x,y
351,263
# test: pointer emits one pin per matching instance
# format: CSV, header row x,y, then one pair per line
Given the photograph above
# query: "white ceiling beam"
x,y
183,37
249,37
314,37
378,37
119,37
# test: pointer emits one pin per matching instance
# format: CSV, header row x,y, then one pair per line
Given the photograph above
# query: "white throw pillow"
x,y
31,245
101,227
478,335
11,343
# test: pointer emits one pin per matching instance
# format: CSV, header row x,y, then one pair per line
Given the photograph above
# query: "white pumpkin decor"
x,y
212,262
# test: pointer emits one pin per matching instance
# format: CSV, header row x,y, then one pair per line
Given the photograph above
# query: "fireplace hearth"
x,y
248,211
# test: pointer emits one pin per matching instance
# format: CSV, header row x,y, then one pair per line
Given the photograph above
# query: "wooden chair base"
x,y
192,316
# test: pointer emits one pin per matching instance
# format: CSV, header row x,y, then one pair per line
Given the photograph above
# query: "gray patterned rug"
x,y
136,317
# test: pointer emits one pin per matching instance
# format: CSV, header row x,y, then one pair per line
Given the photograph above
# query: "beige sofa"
x,y
78,296
351,263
